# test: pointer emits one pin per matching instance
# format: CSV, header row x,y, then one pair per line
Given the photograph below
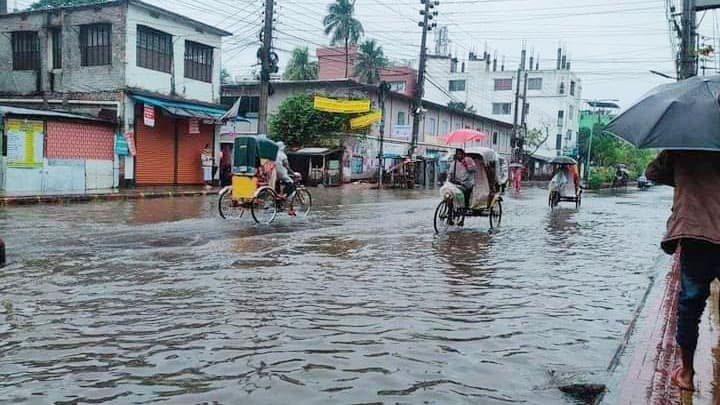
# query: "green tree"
x,y
460,106
298,123
300,67
534,139
61,3
225,77
371,60
342,26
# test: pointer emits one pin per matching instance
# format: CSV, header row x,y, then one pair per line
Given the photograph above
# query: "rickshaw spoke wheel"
x,y
442,217
265,206
229,208
302,202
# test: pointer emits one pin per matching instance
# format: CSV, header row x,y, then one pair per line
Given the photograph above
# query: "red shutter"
x,y
190,147
155,160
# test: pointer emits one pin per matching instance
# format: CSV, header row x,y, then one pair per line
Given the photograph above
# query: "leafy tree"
x,y
608,151
225,77
534,139
371,60
61,3
298,123
342,26
300,67
460,106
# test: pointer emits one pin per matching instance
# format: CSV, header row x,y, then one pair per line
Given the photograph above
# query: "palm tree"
x,y
300,67
371,59
342,26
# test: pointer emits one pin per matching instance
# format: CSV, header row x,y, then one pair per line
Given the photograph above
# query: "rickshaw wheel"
x,y
554,199
229,208
302,202
578,203
442,216
496,212
264,206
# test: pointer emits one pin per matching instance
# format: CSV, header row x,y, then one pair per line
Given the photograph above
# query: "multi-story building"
x,y
552,104
155,73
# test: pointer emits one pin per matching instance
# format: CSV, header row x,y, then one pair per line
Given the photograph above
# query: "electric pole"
x,y
516,127
420,88
269,63
383,89
688,41
523,119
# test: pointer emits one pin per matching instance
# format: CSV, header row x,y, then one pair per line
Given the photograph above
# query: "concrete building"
x,y
153,72
553,95
362,151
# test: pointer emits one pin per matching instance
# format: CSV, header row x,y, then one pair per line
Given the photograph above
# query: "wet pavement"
x,y
162,301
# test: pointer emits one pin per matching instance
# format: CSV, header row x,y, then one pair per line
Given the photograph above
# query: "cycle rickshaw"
x,y
486,198
564,186
253,184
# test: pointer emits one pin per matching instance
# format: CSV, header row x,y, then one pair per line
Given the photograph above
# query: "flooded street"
x,y
162,301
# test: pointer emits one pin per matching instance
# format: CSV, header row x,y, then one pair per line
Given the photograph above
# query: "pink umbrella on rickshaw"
x,y
464,136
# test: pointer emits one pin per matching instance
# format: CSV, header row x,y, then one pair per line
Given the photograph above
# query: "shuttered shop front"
x,y
155,160
190,147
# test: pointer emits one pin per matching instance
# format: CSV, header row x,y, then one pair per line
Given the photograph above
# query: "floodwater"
x,y
161,301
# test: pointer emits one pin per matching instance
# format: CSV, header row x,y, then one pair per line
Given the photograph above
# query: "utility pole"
x,y
523,119
268,60
516,127
688,38
420,87
383,89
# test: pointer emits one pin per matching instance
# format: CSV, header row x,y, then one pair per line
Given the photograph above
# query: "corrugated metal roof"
x,y
6,109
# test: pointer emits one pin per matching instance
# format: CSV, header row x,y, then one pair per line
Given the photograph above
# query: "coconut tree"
x,y
300,67
371,60
342,26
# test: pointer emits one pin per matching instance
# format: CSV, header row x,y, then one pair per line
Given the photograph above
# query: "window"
x,y
495,138
535,83
571,113
401,118
561,119
248,104
56,37
502,108
444,127
569,135
558,142
572,88
26,50
95,45
154,49
432,125
527,109
398,86
503,84
562,88
457,85
198,61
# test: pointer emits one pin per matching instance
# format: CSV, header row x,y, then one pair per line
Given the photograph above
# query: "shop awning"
x,y
316,151
542,158
182,109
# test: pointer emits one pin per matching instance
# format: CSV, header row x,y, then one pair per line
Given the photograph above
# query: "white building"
x,y
553,95
155,74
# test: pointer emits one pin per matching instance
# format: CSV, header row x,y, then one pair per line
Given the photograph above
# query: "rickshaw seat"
x,y
481,192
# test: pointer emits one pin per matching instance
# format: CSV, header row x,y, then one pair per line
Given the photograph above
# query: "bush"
x,y
600,176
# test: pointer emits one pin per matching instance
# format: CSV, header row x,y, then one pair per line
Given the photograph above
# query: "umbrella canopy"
x,y
517,166
563,160
463,136
683,115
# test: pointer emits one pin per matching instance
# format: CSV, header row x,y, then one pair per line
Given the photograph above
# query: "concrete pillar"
x,y
2,253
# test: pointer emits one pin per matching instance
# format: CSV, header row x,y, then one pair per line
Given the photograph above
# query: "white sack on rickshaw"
x,y
455,191
558,182
481,191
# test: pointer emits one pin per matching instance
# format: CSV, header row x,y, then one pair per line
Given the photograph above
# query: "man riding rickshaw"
x,y
565,184
259,169
476,180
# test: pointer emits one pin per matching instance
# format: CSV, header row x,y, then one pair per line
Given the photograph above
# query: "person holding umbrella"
x,y
684,119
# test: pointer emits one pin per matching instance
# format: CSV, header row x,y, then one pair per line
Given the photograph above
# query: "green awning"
x,y
182,109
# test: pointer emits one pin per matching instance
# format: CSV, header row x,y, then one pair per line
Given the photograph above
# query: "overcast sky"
x,y
612,44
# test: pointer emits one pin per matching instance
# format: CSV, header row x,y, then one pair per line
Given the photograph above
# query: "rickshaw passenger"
x,y
463,174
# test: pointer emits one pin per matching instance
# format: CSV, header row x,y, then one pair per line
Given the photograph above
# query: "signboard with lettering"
x,y
194,124
130,138
25,143
701,5
149,116
121,145
402,132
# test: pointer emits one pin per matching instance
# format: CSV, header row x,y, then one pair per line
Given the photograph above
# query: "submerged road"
x,y
162,301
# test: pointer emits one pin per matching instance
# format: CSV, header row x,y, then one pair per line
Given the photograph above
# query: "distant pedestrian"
x,y
694,228
206,159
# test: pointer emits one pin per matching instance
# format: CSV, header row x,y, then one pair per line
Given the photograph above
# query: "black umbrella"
x,y
683,115
563,160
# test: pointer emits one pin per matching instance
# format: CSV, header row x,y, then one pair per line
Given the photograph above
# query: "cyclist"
x,y
283,170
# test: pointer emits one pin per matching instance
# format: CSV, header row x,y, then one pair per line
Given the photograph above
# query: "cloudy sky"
x,y
612,43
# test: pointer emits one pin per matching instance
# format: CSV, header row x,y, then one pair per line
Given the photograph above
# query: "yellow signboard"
x,y
365,121
341,106
25,141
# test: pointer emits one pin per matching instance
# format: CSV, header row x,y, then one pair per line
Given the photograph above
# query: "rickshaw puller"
x,y
463,174
283,171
